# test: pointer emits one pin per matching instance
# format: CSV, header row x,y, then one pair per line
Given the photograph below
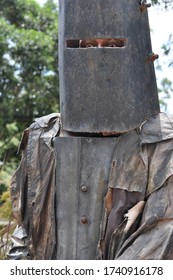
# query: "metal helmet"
x,y
107,77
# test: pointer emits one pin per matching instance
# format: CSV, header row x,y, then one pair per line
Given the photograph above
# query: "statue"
x,y
95,182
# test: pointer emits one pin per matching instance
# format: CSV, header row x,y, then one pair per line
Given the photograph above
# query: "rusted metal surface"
x,y
73,193
33,188
152,57
144,5
82,174
100,85
141,171
98,181
153,238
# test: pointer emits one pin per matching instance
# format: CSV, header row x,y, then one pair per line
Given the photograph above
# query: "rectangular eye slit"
x,y
97,42
72,44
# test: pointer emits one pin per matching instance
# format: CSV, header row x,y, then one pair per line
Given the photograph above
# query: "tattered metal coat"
x,y
141,170
33,187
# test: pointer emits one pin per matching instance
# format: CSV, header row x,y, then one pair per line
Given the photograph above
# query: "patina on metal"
x,y
82,174
88,205
108,87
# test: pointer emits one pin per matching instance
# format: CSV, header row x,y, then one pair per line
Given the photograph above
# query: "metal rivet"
x,y
84,189
144,5
84,220
152,57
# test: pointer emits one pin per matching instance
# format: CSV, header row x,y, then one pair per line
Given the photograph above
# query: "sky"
x,y
161,27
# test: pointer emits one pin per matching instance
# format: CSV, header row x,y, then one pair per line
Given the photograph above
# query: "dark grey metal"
x,y
82,172
105,89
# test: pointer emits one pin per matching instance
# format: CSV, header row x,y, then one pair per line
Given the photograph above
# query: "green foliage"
x,y
3,183
5,178
5,208
29,75
165,3
6,227
168,48
165,90
28,78
29,72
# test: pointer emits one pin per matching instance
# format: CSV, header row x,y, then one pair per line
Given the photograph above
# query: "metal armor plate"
x,y
82,172
110,88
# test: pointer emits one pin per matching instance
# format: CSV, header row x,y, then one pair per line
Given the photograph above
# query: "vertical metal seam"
x,y
78,187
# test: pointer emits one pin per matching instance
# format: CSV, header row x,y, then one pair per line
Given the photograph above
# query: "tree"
x,y
28,82
29,76
29,69
164,3
166,86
